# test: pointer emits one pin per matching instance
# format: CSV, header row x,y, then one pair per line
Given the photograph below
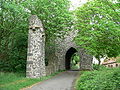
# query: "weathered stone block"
x,y
29,62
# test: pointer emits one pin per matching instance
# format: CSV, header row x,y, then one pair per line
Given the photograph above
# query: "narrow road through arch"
x,y
63,81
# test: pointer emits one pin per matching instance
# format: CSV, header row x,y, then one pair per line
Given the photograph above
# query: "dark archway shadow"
x,y
68,56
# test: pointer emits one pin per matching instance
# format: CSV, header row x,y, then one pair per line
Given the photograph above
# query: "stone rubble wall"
x,y
36,52
52,64
65,45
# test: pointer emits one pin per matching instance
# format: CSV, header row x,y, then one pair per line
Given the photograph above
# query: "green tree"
x,y
14,16
99,31
13,35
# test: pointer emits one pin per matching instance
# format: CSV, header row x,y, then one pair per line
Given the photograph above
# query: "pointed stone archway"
x,y
68,56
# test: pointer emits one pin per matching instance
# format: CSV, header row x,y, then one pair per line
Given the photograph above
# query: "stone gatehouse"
x,y
59,59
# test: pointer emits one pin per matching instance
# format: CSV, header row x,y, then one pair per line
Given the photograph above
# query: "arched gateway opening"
x,y
68,58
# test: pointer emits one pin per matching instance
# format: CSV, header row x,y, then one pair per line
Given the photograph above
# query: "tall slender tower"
x,y
36,49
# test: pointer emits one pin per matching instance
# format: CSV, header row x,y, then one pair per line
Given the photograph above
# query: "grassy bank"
x,y
103,79
16,81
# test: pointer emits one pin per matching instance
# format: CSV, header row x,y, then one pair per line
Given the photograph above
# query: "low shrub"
x,y
105,79
98,67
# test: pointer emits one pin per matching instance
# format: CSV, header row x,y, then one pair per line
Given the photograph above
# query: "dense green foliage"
x,y
14,15
75,60
99,30
105,79
96,66
13,36
97,22
17,81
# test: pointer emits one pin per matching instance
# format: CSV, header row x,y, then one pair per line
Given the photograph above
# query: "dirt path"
x,y
63,81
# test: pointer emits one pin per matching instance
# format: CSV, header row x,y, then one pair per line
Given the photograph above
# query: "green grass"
x,y
16,81
105,79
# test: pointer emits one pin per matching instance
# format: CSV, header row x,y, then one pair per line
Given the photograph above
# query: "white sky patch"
x,y
77,3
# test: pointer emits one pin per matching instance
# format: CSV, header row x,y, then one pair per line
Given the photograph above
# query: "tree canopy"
x,y
99,30
97,21
14,15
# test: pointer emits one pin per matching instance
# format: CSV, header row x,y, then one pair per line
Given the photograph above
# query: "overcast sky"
x,y
76,3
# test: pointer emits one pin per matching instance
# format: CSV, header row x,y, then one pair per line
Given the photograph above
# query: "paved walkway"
x,y
63,81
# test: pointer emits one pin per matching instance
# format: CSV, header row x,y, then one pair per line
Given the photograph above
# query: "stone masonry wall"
x,y
36,49
65,45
